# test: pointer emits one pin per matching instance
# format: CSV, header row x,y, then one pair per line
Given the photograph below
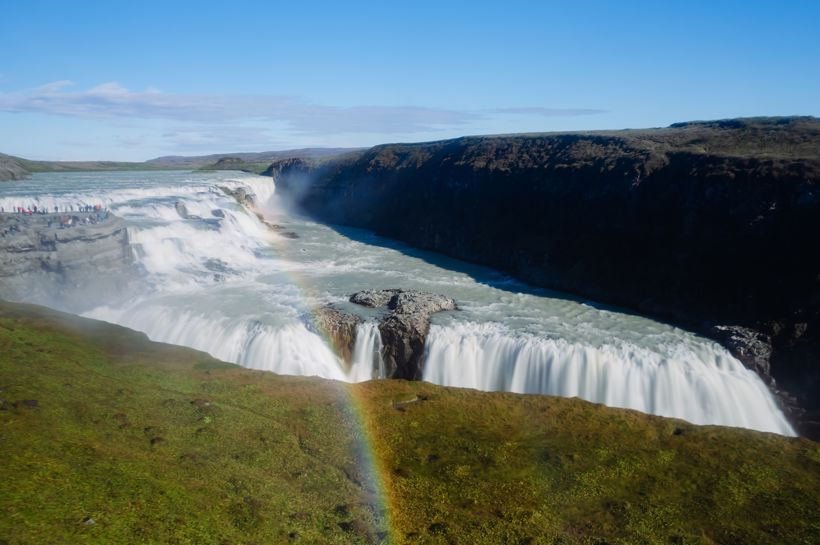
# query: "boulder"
x,y
181,210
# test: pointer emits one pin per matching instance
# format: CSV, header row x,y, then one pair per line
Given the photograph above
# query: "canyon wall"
x,y
706,224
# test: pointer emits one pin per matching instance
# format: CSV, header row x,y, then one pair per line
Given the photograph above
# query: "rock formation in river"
x,y
340,329
242,196
404,329
75,267
403,326
705,224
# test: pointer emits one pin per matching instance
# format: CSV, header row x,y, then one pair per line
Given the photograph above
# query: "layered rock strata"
x,y
76,267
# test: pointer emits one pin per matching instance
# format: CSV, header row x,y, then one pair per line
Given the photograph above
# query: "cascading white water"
x,y
702,384
290,349
367,360
222,281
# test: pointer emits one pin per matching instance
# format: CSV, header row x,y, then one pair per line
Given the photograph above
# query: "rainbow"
x,y
364,442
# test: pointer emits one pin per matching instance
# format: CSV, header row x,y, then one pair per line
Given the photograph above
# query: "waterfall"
x,y
289,349
222,281
703,384
367,358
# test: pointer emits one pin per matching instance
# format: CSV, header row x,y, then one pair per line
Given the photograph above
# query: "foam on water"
x,y
289,349
699,383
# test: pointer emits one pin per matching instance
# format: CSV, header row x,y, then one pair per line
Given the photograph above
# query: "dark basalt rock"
x,y
699,223
752,348
404,329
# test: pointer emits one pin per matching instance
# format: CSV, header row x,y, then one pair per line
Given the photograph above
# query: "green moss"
x,y
159,444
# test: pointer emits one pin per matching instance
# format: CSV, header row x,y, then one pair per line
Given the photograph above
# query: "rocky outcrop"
x,y
242,196
752,348
339,327
73,268
404,328
701,224
182,210
404,321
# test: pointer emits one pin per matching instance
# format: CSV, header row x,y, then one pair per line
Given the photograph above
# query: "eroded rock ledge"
x,y
403,326
73,268
404,329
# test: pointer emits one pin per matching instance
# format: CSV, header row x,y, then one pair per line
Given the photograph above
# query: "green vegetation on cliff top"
x,y
107,437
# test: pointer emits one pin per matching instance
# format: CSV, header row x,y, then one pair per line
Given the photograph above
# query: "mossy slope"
x,y
159,444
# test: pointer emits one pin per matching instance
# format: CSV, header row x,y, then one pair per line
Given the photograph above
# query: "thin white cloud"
x,y
549,112
111,100
227,138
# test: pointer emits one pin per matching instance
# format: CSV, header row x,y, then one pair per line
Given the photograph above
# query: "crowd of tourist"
x,y
69,216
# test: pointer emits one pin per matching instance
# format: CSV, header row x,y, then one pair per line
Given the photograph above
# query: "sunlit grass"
x,y
137,442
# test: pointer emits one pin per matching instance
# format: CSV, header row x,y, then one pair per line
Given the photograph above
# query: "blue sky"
x,y
134,80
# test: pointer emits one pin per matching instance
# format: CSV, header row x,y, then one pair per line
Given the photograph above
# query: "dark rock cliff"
x,y
703,224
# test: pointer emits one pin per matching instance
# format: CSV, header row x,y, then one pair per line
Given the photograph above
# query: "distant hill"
x,y
11,169
240,161
16,168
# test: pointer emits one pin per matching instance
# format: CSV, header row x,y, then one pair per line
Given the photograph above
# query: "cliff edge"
x,y
706,224
64,261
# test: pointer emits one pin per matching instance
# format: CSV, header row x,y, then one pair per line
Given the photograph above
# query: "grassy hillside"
x,y
236,163
109,438
10,168
246,161
83,166
14,168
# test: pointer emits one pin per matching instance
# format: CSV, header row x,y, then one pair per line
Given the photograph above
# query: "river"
x,y
223,281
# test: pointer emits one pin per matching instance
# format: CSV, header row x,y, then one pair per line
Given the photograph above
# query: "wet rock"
x,y
340,327
752,348
241,195
405,328
218,213
181,210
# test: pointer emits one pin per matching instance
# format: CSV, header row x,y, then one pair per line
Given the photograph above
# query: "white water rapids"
x,y
227,284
